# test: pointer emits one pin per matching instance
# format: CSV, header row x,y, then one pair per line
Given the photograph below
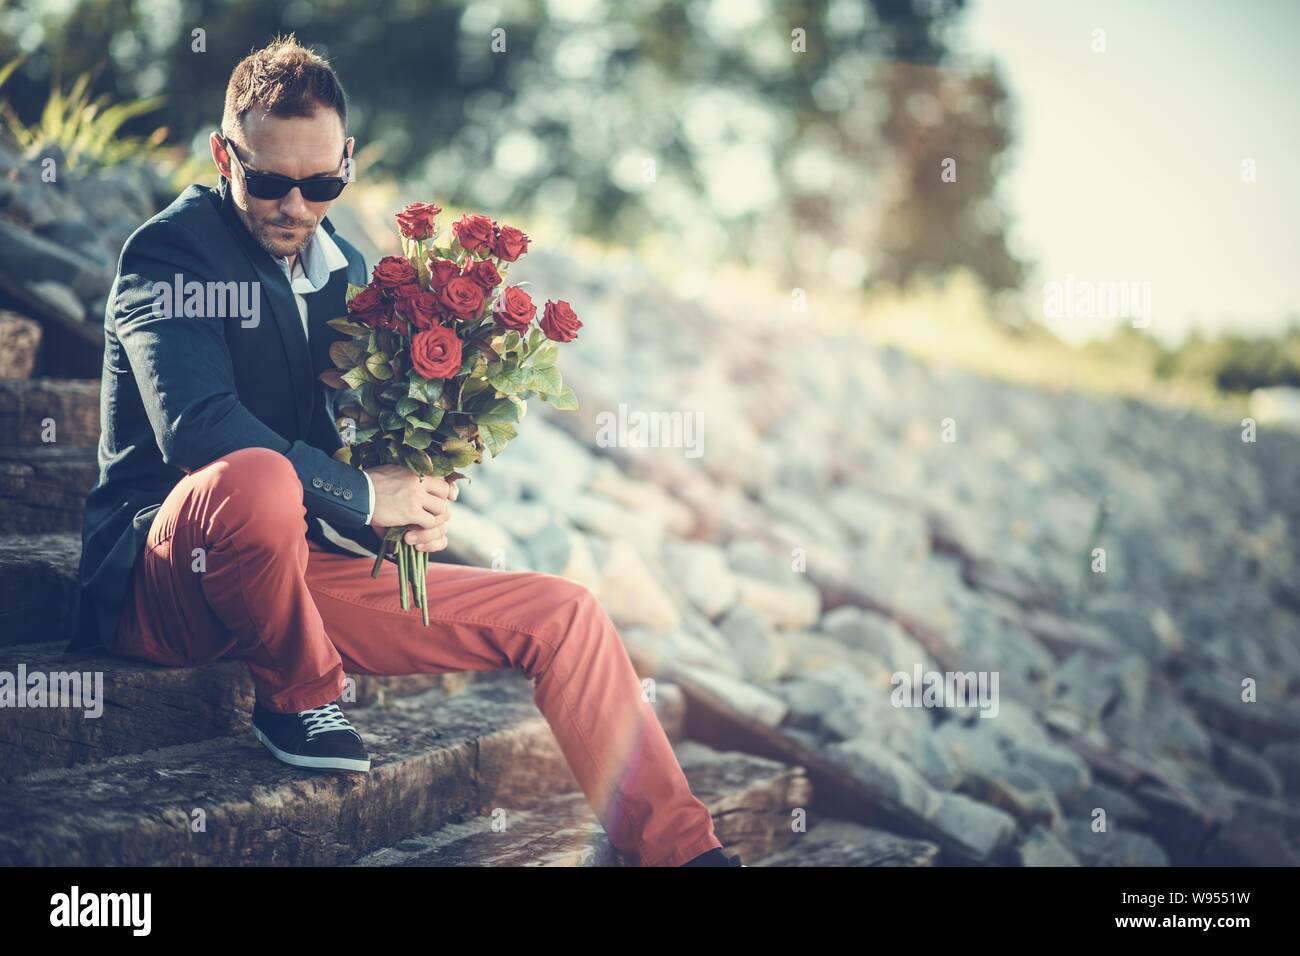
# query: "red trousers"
x,y
228,571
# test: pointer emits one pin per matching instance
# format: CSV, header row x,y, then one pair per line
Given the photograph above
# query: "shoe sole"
x,y
313,763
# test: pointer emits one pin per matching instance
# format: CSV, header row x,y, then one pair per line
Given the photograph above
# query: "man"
x,y
222,527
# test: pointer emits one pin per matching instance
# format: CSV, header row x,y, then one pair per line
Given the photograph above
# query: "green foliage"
x,y
1236,363
86,130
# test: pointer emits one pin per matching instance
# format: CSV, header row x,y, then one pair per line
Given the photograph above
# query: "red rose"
x,y
510,243
442,271
367,300
407,290
416,220
559,321
484,272
436,353
381,318
392,271
421,309
474,232
462,297
514,308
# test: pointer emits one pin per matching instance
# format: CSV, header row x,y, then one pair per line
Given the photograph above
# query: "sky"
x,y
1128,163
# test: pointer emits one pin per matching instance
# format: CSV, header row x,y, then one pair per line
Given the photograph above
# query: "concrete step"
x,y
436,758
38,587
750,798
43,488
110,706
40,410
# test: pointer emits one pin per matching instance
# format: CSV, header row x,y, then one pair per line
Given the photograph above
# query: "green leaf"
x,y
348,326
390,421
353,291
511,380
419,461
547,381
414,438
544,356
356,378
495,435
406,405
377,365
427,390
414,422
501,411
366,396
441,463
460,452
472,387
567,400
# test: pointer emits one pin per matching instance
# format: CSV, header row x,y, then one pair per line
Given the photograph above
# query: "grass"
x,y
86,130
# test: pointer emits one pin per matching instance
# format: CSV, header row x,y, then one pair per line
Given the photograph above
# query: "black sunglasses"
x,y
275,186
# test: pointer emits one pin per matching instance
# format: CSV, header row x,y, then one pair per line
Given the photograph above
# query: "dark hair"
x,y
283,78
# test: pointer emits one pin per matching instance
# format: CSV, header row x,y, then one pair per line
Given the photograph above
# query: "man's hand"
x,y
401,497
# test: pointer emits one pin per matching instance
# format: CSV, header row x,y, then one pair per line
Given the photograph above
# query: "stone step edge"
x,y
435,758
140,706
752,801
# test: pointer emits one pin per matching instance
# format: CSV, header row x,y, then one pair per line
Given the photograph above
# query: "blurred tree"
x,y
803,138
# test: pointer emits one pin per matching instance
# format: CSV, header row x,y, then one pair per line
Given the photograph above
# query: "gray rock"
x,y
795,604
1121,809
887,772
1113,847
700,572
975,746
1284,755
1063,770
758,648
744,697
1245,769
983,830
522,519
1018,791
1042,847
879,636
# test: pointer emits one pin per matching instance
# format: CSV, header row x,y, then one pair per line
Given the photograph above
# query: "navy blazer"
x,y
179,392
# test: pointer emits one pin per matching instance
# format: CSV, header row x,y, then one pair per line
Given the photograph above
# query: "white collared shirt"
x,y
311,270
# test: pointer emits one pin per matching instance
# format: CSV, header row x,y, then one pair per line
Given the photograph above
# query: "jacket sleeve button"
x,y
316,482
347,494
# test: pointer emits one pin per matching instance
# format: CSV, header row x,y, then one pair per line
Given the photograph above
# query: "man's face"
x,y
294,146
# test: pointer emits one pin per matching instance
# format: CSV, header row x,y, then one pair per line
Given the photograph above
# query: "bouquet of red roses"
x,y
442,358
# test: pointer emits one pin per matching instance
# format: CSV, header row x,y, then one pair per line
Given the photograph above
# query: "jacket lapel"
x,y
284,308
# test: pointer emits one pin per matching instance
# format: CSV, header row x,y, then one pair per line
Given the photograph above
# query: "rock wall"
x,y
61,232
1128,574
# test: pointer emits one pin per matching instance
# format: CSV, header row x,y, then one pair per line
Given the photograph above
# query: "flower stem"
x,y
402,576
424,587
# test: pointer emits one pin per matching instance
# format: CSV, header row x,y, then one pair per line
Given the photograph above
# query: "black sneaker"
x,y
715,857
320,738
